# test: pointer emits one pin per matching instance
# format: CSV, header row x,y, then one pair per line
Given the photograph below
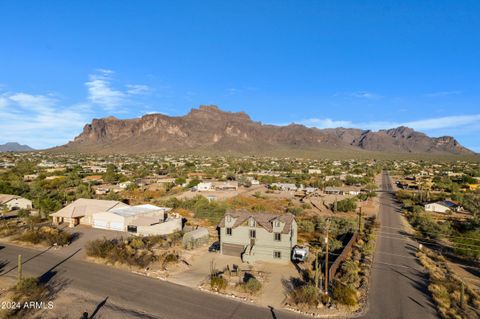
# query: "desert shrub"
x,y
428,227
295,210
133,251
27,286
99,248
30,236
466,244
344,294
306,294
60,238
253,286
350,276
345,205
218,283
170,258
306,226
46,235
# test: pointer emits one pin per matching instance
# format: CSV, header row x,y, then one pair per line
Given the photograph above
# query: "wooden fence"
x,y
345,252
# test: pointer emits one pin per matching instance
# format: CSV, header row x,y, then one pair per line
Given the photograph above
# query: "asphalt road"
x,y
141,296
398,287
399,284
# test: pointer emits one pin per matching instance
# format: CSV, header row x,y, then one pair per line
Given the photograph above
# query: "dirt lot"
x,y
273,291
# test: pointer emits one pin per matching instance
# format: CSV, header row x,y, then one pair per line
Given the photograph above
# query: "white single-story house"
x,y
12,202
227,186
442,207
142,220
284,186
82,210
204,187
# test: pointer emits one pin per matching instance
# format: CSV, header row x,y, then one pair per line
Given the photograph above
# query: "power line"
x,y
430,233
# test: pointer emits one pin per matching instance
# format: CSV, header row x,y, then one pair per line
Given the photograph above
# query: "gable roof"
x,y
447,203
264,219
85,206
5,198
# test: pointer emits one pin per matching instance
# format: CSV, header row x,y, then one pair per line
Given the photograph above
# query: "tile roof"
x,y
85,206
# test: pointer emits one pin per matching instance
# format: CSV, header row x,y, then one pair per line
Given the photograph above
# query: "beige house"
x,y
81,211
258,236
12,202
144,220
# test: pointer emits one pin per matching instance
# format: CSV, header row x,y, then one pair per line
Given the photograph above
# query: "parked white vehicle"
x,y
300,254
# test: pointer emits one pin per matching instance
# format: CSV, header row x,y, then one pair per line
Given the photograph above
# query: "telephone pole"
x,y
19,267
326,258
360,220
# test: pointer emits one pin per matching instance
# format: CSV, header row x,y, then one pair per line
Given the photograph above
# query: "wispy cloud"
x,y
44,120
442,93
360,95
3,102
101,92
40,120
135,89
429,124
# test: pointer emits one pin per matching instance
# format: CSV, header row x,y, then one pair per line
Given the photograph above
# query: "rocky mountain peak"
x,y
210,128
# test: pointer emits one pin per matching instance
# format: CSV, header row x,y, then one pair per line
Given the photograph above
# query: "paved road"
x,y
399,286
136,294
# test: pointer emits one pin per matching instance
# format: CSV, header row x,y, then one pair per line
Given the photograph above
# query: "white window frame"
x,y
229,231
277,254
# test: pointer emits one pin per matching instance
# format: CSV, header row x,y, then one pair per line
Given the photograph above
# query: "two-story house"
x,y
258,236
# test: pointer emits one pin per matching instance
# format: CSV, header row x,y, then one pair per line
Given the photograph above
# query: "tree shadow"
x,y
97,309
3,263
49,274
26,260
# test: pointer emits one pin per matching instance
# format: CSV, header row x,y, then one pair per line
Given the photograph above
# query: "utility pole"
x,y
19,267
360,220
317,273
326,258
462,296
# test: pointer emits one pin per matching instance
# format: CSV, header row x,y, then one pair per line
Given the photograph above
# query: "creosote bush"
x,y
218,283
345,294
133,251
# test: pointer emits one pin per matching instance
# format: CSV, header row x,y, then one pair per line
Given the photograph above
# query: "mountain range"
x,y
208,128
15,147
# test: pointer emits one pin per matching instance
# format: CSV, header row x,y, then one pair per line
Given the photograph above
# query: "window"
x,y
229,231
277,223
229,218
252,222
277,236
277,254
253,233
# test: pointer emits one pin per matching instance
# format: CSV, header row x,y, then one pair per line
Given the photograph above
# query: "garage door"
x,y
98,223
116,226
232,249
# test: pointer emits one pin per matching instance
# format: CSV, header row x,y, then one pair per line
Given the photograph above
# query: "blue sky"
x,y
367,64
